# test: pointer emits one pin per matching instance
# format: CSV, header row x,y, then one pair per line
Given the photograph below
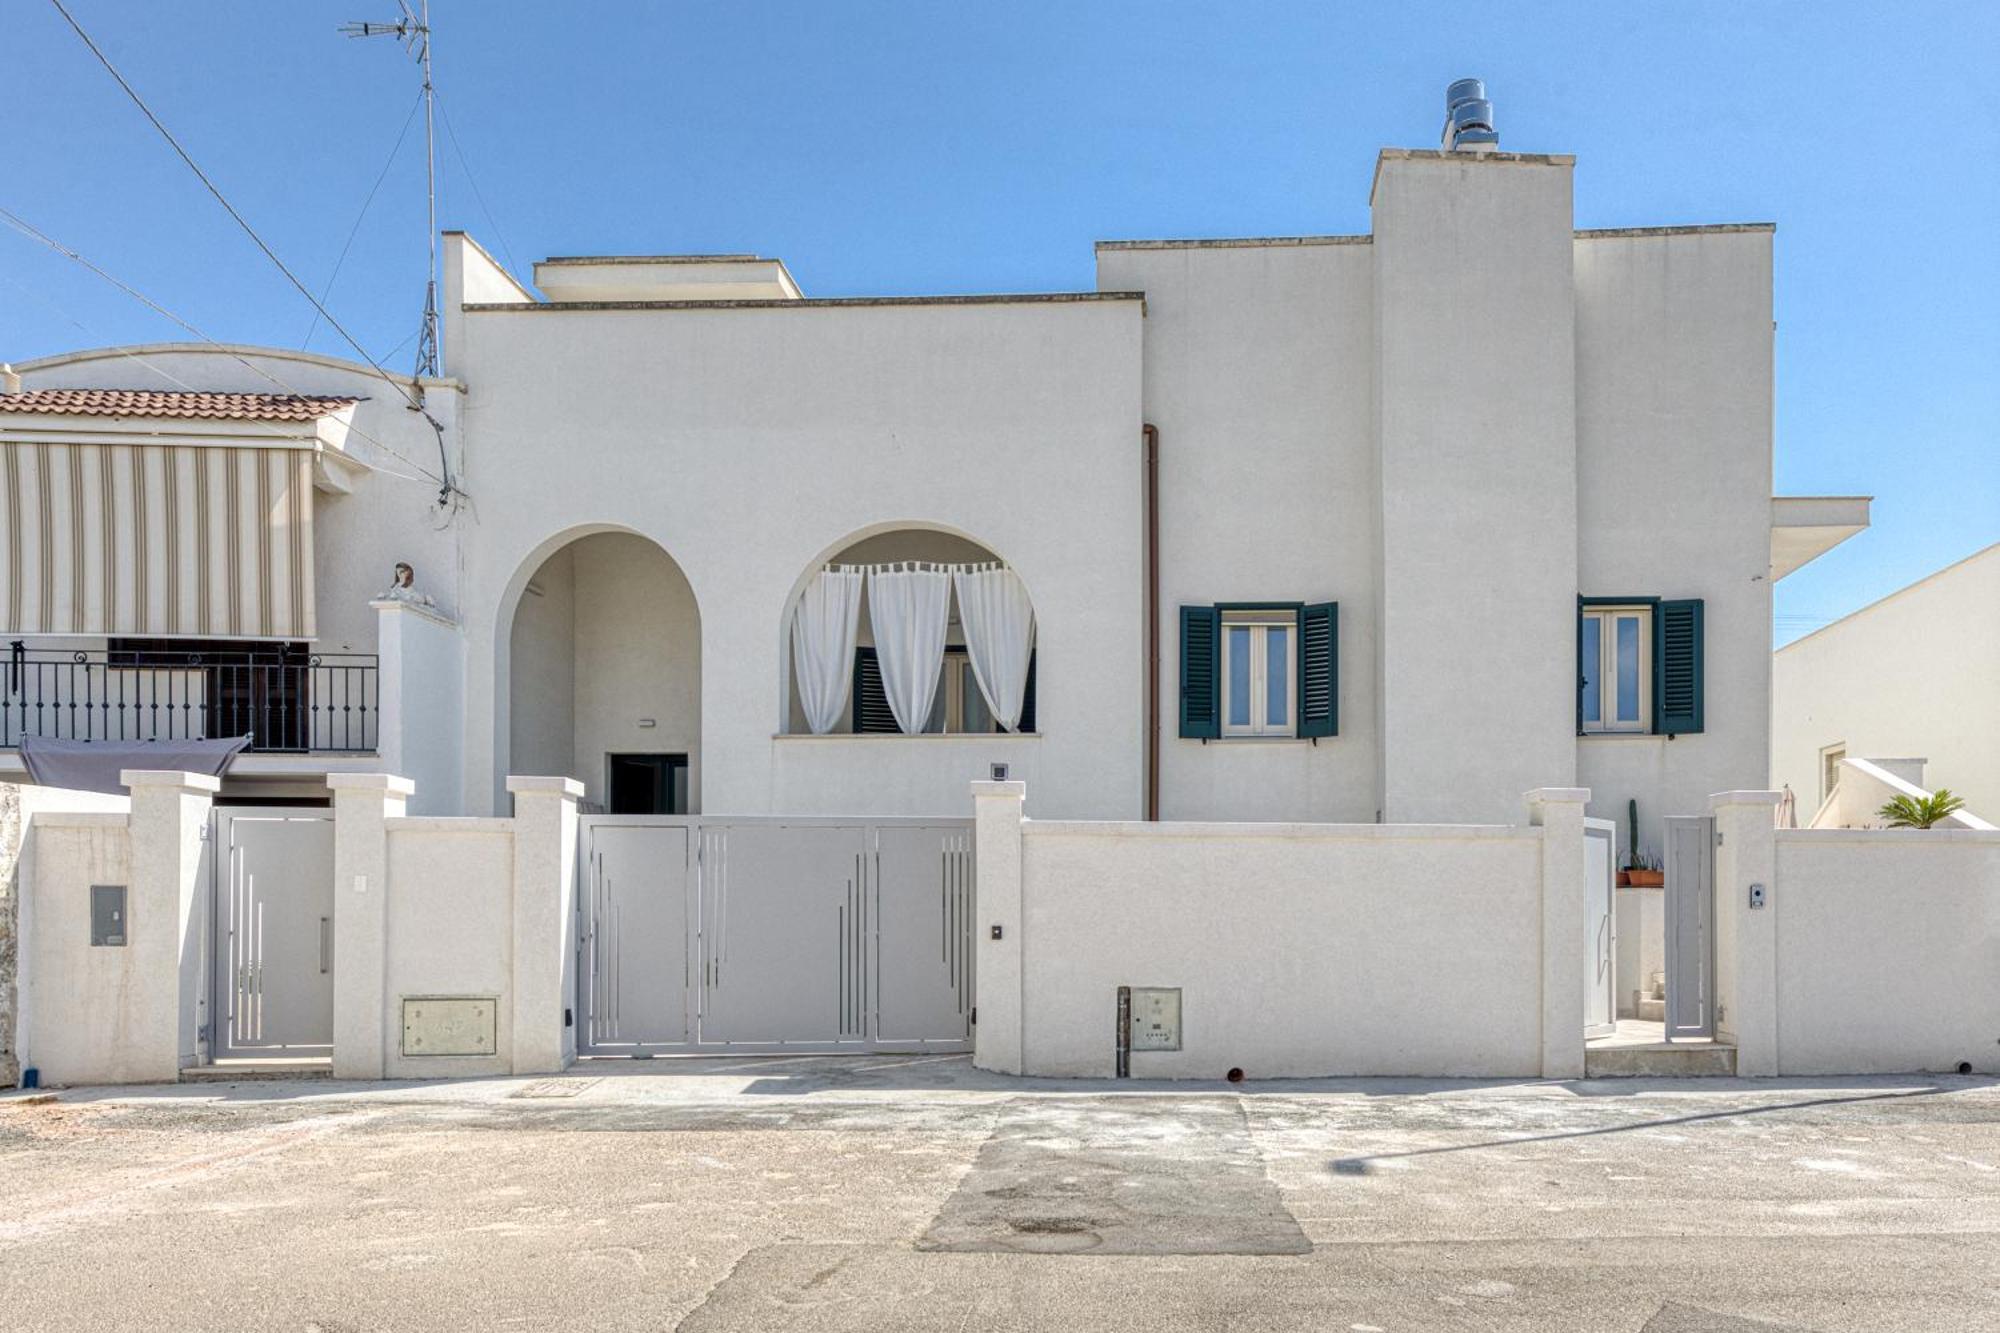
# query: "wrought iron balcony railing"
x,y
285,702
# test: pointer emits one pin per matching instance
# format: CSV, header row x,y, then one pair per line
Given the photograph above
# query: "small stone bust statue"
x,y
403,588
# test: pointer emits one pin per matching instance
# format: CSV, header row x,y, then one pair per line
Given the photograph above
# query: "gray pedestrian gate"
x,y
1689,912
721,934
272,869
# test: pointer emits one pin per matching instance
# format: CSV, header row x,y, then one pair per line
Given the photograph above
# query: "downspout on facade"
x,y
1151,434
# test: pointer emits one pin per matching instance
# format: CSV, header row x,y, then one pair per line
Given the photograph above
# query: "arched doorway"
x,y
604,675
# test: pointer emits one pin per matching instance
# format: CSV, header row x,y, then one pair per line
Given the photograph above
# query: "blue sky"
x,y
931,147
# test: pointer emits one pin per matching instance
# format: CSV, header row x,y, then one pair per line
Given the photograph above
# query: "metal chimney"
x,y
1468,117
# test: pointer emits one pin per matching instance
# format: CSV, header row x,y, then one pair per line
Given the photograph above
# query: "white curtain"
x,y
823,626
908,605
999,626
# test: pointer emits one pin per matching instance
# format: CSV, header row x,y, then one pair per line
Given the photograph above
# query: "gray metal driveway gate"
x,y
697,933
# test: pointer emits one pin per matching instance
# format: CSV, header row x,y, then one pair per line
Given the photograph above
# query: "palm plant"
x,y
1921,811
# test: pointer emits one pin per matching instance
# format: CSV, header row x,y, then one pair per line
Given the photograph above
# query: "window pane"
x,y
1277,670
977,716
1239,675
1628,668
1593,666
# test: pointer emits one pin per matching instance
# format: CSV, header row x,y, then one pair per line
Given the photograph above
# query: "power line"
x,y
415,401
28,229
445,115
360,217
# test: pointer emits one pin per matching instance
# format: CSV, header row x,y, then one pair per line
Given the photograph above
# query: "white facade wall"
x,y
1540,414
1258,375
1916,674
751,443
1673,404
1475,402
1886,949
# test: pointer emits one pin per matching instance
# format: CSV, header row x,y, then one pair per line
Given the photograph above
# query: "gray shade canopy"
x,y
95,765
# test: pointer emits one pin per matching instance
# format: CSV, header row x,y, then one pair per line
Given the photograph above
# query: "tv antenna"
x,y
413,30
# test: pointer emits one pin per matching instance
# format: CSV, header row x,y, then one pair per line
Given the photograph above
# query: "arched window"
x,y
911,632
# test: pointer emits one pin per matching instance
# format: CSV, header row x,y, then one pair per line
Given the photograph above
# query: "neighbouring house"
x,y
1908,688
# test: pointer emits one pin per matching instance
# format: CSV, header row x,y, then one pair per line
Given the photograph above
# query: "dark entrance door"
x,y
648,784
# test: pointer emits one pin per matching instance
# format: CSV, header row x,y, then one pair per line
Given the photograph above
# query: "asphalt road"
x,y
890,1193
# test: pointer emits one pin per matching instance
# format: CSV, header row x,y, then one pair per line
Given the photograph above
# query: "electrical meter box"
x,y
1156,1018
449,1025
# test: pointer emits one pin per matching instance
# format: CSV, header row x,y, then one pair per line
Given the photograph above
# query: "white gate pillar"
x,y
544,922
1746,936
1565,1000
997,1038
169,816
363,805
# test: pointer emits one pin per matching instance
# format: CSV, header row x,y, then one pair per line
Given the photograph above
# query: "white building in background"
x,y
1389,527
1910,683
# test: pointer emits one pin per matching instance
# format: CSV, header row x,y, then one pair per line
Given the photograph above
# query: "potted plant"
x,y
1646,872
1921,811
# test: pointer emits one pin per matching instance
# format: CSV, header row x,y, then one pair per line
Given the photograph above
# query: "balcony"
x,y
286,702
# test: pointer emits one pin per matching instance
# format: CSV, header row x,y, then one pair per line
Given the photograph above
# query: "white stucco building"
x,y
1376,528
1911,683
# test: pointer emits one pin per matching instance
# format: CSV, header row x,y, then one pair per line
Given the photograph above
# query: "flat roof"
x,y
656,259
810,303
1696,229
1235,243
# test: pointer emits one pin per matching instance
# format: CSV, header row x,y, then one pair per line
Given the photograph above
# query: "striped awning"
x,y
156,540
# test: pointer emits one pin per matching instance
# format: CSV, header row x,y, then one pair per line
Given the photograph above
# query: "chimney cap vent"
x,y
1468,116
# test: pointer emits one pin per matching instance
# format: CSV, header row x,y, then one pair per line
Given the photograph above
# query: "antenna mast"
x,y
414,31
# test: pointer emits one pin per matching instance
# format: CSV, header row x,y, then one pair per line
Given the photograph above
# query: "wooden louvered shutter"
x,y
1319,669
871,701
1677,667
1201,643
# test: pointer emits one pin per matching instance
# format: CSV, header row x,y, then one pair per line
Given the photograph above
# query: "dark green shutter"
x,y
1319,669
1677,667
1201,644
871,701
1583,670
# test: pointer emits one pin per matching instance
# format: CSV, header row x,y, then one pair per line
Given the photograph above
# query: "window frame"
x,y
1259,617
1829,768
1607,611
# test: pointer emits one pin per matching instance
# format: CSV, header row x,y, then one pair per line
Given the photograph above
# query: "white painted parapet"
x,y
1746,938
544,918
363,803
419,729
996,858
1558,812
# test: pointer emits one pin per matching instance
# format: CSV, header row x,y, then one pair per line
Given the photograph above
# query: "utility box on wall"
x,y
1156,1018
450,1025
107,915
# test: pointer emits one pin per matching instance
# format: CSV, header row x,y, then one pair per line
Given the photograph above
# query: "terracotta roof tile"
x,y
144,403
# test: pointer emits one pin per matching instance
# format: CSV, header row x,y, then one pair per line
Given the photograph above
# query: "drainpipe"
x,y
1152,438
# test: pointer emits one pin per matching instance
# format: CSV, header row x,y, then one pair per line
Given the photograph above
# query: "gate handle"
x,y
325,945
